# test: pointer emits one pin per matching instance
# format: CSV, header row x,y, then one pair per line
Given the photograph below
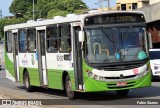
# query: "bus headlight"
x,y
143,73
90,74
94,76
101,78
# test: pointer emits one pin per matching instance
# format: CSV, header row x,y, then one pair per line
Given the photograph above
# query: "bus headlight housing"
x,y
143,73
95,77
90,74
148,69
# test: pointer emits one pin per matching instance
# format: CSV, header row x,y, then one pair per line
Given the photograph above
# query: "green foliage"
x,y
43,9
46,8
4,22
78,11
20,6
54,12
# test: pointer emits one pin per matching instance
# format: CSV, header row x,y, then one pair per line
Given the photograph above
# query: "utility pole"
x,y
108,4
101,4
33,10
0,13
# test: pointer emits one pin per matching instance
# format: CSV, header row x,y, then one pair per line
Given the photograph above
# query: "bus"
x,y
154,55
91,52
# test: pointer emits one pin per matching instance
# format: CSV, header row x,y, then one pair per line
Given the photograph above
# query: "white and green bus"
x,y
91,52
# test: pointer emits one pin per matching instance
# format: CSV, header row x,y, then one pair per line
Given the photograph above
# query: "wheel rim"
x,y
68,88
26,82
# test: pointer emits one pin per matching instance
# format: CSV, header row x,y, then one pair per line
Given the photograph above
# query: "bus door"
x,y
15,54
77,57
41,51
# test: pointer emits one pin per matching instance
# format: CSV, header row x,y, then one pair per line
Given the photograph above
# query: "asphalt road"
x,y
11,90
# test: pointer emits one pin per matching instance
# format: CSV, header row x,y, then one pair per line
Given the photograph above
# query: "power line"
x,y
101,3
108,4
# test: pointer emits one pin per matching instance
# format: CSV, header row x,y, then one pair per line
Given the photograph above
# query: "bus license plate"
x,y
121,83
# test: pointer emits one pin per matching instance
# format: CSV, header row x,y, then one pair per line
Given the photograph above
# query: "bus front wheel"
x,y
122,92
27,82
70,94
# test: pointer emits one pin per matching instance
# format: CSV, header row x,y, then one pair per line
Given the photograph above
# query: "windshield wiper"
x,y
105,34
128,30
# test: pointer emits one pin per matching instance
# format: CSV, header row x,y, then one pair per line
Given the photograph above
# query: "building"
x,y
153,21
153,1
106,9
131,4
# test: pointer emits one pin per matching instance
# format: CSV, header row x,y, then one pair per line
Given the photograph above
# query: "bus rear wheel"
x,y
122,92
70,94
27,85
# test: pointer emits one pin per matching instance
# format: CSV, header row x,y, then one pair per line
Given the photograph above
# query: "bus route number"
x,y
60,57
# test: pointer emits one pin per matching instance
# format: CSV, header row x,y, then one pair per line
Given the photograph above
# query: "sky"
x,y
4,5
91,3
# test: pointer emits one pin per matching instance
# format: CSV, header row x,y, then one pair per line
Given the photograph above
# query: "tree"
x,y
54,12
45,8
4,22
20,6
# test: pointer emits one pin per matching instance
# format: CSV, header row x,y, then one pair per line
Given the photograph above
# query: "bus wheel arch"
x,y
68,88
64,75
24,72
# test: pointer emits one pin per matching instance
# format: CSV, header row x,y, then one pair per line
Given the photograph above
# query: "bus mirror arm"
x,y
150,40
82,46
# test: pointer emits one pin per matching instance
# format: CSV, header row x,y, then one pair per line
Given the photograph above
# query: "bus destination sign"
x,y
114,18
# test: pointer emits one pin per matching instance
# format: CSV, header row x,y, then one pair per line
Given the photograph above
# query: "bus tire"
x,y
27,85
122,92
70,94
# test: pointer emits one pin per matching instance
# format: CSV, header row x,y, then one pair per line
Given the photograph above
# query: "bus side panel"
x,y
54,79
33,74
9,64
34,77
56,66
28,61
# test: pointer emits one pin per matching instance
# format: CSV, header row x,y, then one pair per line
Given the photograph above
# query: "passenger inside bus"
x,y
53,47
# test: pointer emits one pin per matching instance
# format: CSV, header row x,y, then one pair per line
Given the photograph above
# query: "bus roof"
x,y
60,19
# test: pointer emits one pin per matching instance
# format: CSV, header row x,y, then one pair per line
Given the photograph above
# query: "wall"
x,y
151,12
153,1
140,3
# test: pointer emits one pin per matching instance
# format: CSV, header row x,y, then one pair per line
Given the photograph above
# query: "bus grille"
x,y
131,76
121,67
114,86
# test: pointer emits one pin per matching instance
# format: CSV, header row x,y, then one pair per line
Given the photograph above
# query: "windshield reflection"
x,y
114,44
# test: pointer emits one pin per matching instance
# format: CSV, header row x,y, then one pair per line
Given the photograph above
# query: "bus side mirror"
x,y
150,40
81,36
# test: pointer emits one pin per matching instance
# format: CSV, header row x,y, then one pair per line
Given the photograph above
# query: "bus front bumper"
x,y
92,85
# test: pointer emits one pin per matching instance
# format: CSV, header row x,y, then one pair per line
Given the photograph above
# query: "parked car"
x,y
155,62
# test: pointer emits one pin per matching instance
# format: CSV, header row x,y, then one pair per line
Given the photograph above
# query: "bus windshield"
x,y
114,44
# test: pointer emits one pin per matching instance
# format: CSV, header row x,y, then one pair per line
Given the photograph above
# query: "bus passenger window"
x,y
52,46
31,40
52,43
65,38
9,42
22,40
